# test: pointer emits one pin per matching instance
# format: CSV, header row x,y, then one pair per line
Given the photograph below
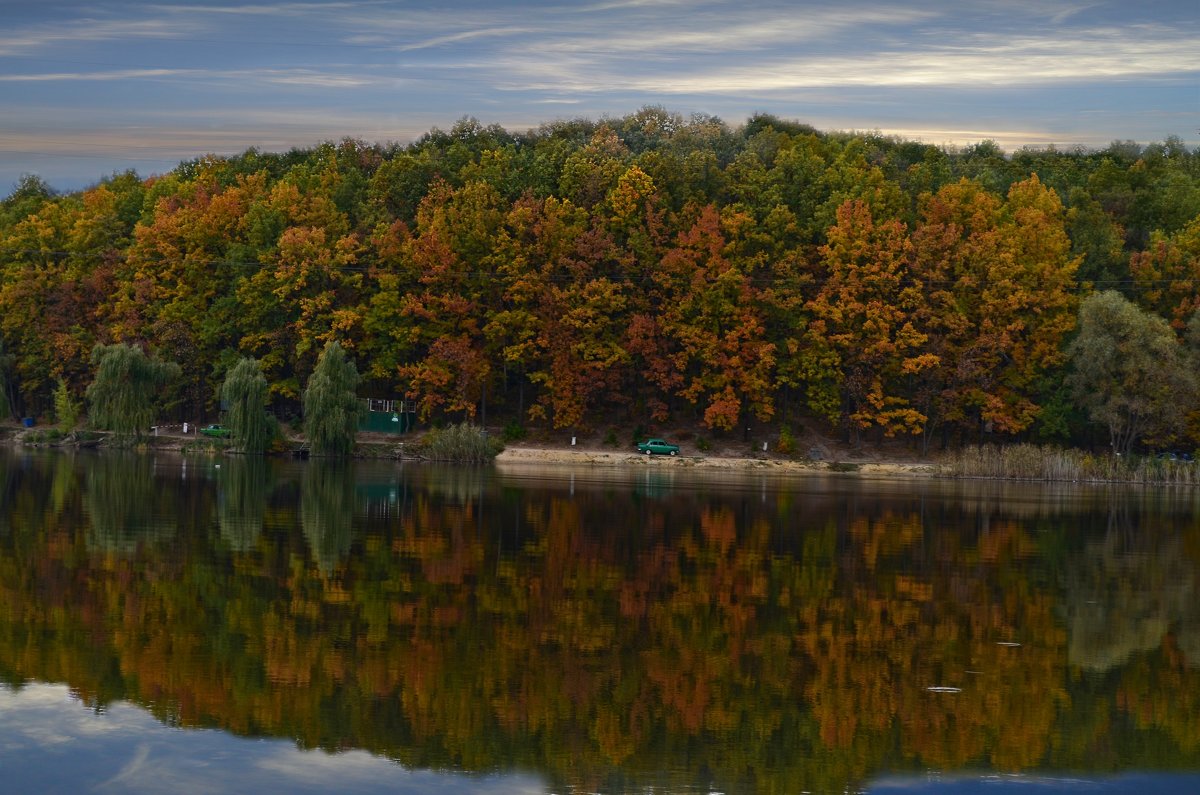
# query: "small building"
x,y
386,416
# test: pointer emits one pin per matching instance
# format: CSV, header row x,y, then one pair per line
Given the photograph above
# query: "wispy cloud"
x,y
466,35
291,77
38,37
978,60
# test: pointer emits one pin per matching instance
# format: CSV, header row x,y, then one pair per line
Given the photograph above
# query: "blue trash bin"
x,y
27,422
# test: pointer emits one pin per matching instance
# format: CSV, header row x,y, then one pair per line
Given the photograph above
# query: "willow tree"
x,y
244,394
330,403
121,397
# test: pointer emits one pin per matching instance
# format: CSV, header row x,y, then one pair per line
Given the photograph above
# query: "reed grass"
x,y
1033,462
463,443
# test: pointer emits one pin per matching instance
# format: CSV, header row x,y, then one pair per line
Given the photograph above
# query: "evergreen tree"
x,y
126,383
330,403
66,408
5,402
244,394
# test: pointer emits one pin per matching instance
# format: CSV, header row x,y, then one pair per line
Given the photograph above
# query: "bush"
x,y
514,431
465,443
787,442
610,438
702,444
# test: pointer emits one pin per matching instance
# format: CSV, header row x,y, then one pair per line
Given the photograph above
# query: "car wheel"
x,y
674,452
647,452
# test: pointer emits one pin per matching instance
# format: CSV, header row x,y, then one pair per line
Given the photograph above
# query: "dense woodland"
x,y
646,270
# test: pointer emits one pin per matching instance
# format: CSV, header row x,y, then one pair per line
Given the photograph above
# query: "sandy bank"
x,y
525,456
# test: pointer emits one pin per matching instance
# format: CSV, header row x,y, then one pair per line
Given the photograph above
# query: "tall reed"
x,y
1033,462
463,443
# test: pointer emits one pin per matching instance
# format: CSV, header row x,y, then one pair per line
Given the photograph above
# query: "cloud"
x,y
466,35
296,77
17,42
979,60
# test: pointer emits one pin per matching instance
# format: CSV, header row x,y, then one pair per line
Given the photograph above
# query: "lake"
x,y
223,624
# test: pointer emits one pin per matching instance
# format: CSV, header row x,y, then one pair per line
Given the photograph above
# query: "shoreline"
x,y
520,456
523,455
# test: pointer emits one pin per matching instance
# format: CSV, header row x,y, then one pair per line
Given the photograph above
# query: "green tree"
x,y
245,395
330,403
66,408
1130,372
6,406
127,382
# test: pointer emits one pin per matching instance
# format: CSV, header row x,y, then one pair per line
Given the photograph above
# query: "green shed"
x,y
387,416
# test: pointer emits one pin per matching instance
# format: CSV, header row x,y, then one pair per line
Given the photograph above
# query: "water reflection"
x,y
613,630
243,487
327,511
126,503
65,747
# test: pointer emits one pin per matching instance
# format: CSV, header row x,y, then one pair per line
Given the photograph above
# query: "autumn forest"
x,y
638,270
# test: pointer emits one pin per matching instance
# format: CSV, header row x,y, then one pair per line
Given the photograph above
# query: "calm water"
x,y
174,624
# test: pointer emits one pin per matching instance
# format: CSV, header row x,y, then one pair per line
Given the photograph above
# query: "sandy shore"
x,y
538,456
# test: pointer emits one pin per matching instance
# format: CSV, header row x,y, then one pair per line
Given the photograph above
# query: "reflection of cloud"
x,y
133,769
53,743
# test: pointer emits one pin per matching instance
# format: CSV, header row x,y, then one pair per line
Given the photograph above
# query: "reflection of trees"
x,y
126,504
327,511
243,484
609,640
8,488
1126,590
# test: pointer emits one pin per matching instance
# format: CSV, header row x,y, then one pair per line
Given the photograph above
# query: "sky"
x,y
89,89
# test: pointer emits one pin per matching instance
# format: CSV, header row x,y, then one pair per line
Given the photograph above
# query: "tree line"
x,y
649,268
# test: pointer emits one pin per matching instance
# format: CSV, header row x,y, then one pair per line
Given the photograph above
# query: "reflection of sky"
x,y
1131,784
52,743
101,85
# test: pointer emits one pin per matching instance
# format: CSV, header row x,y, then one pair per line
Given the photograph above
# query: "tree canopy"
x,y
651,268
1130,371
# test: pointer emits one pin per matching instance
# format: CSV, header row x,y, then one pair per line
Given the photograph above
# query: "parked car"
x,y
219,431
658,447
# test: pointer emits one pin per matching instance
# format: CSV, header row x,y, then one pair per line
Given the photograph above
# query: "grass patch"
x,y
205,444
844,466
1033,462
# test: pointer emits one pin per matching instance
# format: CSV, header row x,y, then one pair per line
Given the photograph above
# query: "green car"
x,y
657,447
219,431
